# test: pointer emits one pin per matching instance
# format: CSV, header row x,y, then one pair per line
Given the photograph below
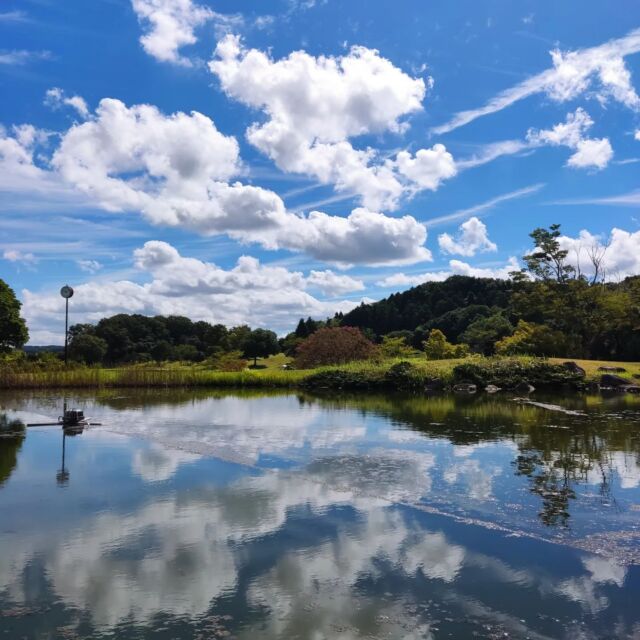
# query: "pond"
x,y
200,514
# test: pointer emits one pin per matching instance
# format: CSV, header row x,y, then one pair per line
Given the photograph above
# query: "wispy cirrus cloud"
x,y
13,16
493,151
484,206
630,199
15,255
589,153
601,68
19,57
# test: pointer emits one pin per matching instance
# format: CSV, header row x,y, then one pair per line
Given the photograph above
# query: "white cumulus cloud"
x,y
315,105
170,25
428,167
589,152
333,284
619,252
456,268
177,171
592,153
90,266
472,238
18,171
56,98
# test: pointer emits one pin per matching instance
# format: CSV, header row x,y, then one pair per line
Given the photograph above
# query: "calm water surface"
x,y
244,515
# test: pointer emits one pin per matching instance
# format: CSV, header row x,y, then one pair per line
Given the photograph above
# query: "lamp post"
x,y
66,292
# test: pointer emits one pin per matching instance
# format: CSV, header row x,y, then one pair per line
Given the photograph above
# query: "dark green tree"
x,y
238,336
88,348
482,334
306,327
261,343
13,329
161,351
186,352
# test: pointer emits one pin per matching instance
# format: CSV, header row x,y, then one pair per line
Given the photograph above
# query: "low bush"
x,y
509,373
343,379
405,376
436,347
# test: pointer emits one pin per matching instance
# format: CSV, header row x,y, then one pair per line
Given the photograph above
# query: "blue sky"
x,y
261,161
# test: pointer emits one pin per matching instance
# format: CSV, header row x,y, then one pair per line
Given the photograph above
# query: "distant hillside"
x,y
54,348
450,306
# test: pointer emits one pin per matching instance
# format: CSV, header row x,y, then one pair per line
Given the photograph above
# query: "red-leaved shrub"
x,y
333,345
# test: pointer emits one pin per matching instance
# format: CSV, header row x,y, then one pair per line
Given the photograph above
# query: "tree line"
x,y
549,308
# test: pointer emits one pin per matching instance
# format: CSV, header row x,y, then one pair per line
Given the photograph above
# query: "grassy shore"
x,y
414,373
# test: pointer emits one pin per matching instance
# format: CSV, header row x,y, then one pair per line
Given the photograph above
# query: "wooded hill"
x,y
572,318
450,306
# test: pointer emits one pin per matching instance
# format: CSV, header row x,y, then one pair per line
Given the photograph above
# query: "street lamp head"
x,y
66,291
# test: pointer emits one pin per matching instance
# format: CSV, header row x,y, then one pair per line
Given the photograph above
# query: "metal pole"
x,y
66,330
66,292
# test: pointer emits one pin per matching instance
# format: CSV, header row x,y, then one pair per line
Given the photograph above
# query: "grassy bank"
x,y
411,374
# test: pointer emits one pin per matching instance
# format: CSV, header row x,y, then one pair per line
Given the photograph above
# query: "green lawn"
x,y
272,362
591,367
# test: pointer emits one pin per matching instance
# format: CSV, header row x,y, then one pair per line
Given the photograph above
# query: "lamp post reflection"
x,y
62,477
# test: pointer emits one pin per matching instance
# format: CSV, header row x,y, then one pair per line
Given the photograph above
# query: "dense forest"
x,y
548,308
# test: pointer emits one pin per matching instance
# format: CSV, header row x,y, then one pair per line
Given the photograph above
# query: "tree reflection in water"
x,y
12,434
556,452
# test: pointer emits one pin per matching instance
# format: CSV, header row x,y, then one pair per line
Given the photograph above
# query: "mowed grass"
x,y
272,363
592,366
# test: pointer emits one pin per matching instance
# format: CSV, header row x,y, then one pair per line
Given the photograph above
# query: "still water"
x,y
250,515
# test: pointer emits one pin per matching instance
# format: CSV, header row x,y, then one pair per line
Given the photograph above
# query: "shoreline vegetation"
x,y
393,374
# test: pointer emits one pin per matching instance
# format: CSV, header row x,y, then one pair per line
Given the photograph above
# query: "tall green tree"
x,y
261,343
13,328
548,261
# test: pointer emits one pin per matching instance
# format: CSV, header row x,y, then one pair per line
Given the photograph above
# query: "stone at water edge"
x,y
524,387
433,385
609,380
465,387
574,367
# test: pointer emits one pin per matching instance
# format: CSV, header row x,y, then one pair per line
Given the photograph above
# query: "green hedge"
x,y
509,373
